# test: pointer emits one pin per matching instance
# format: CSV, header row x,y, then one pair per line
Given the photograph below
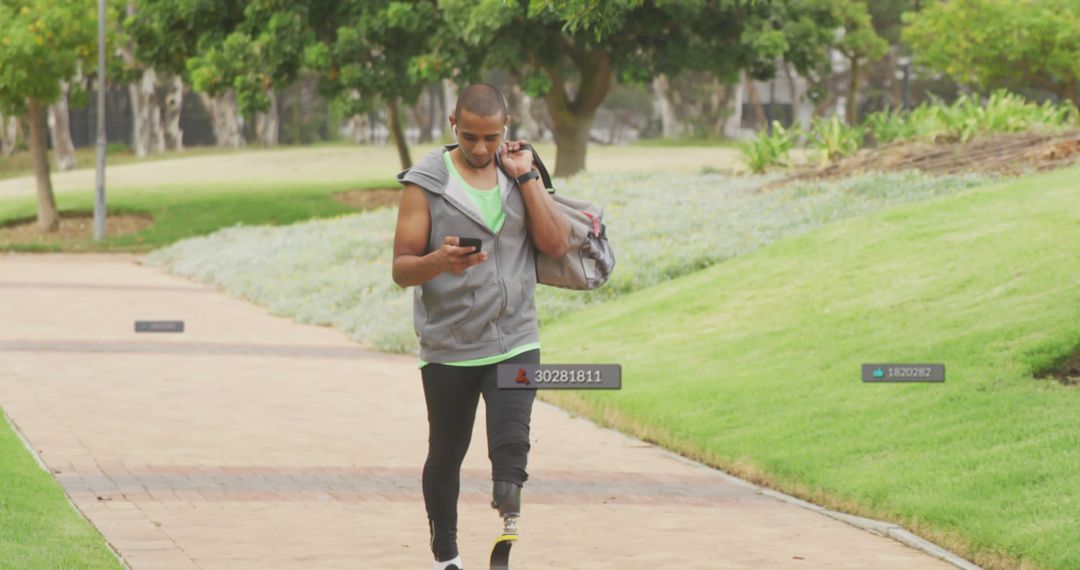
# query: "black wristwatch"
x,y
530,175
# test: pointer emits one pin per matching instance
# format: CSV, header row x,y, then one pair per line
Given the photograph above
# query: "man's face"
x,y
478,137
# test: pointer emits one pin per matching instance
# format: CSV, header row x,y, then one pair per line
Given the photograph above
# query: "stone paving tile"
x,y
251,441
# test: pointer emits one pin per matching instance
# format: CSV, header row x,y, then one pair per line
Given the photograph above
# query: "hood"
x,y
430,173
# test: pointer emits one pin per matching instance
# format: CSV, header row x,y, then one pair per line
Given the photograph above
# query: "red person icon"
x,y
522,378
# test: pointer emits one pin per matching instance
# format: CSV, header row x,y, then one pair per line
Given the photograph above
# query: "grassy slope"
x,y
38,527
754,365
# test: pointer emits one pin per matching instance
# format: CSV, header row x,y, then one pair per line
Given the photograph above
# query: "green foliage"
x,y
859,40
41,43
1001,44
582,46
603,18
166,33
769,150
834,138
266,50
967,118
890,125
382,51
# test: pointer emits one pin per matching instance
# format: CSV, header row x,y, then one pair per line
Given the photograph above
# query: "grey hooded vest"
x,y
488,309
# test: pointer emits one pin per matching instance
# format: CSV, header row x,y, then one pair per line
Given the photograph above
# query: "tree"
x,y
43,42
265,51
860,44
571,51
887,17
373,52
166,34
1008,44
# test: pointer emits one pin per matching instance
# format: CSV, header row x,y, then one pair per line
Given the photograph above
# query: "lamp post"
x,y
905,64
99,193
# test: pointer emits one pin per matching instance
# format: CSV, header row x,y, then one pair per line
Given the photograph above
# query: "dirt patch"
x,y
73,227
1006,154
369,199
1067,373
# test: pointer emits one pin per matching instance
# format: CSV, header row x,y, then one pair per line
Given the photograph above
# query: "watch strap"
x,y
530,175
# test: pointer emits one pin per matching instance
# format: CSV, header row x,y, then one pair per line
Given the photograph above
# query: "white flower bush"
x,y
337,271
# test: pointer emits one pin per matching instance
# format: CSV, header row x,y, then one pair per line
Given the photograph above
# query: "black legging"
x,y
452,393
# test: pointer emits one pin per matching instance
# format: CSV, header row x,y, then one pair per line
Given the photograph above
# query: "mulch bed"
x,y
1009,154
369,199
73,227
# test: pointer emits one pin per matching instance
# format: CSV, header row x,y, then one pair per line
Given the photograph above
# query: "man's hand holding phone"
x,y
459,254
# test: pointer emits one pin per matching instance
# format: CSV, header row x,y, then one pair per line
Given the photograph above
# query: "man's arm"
x,y
411,265
548,227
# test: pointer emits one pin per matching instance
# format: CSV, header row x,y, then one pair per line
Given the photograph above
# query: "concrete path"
x,y
250,441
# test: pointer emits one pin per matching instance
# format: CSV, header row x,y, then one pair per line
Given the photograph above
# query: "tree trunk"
x,y
147,136
173,103
225,119
423,114
669,122
449,96
449,100
802,111
571,142
718,99
755,102
573,118
522,124
896,94
8,135
48,217
60,130
399,135
1071,92
733,124
852,110
266,124
357,129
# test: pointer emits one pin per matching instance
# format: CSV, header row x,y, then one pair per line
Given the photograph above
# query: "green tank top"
x,y
489,202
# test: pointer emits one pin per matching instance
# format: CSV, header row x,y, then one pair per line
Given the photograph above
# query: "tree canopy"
x,y
571,51
43,42
1001,44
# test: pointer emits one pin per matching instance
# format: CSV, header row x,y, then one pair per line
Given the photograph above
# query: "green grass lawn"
x,y
686,141
753,365
38,527
182,214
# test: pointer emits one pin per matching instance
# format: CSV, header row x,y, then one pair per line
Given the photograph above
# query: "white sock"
x,y
445,565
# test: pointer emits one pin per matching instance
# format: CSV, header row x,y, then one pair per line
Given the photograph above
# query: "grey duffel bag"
x,y
590,260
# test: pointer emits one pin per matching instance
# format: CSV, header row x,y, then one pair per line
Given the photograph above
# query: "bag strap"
x,y
544,176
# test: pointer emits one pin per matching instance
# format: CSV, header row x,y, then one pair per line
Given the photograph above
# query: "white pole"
x,y
99,199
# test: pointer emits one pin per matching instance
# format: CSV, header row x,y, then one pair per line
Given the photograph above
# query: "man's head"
x,y
480,123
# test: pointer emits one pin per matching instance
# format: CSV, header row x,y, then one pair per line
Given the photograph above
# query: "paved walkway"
x,y
250,441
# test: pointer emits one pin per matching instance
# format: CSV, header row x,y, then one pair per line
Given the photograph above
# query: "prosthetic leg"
x,y
507,499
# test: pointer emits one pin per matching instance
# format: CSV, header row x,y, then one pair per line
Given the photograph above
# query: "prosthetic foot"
x,y
507,499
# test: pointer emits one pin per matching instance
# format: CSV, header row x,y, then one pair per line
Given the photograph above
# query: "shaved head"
x,y
482,99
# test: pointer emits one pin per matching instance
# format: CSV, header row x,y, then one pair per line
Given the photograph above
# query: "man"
x,y
474,309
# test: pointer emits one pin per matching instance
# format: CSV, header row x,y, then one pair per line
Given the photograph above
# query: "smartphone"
x,y
466,242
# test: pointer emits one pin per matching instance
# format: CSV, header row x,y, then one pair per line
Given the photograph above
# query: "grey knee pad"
x,y
507,498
